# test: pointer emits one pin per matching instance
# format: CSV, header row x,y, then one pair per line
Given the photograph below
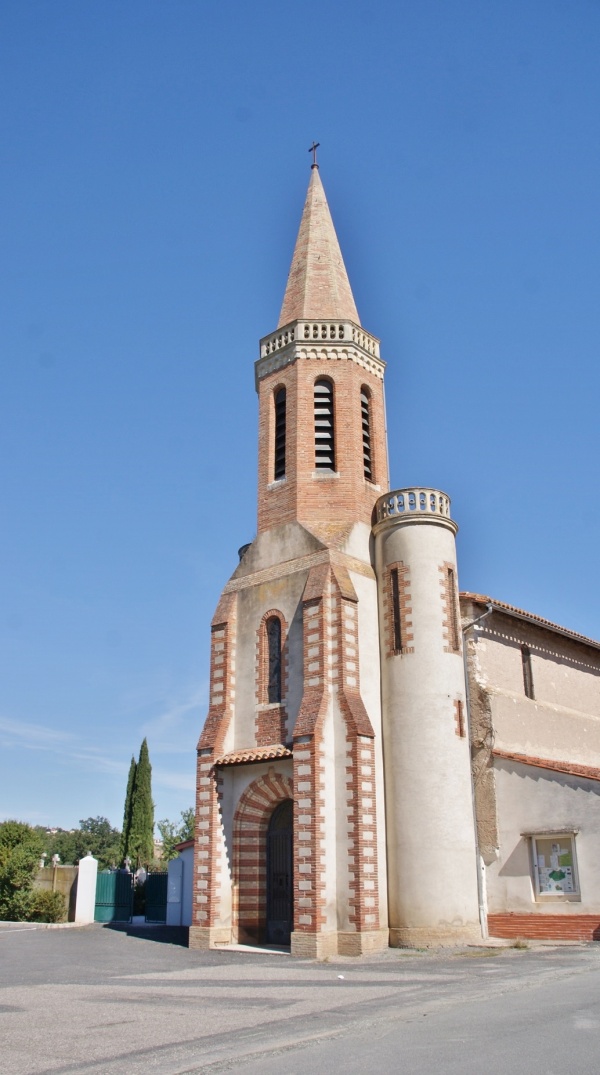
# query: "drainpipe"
x,y
480,883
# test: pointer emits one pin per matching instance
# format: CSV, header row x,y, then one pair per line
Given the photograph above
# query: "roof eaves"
x,y
529,617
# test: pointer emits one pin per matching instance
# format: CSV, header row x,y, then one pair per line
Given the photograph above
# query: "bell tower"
x,y
295,692
322,448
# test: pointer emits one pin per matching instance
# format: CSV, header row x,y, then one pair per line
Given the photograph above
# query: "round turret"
x,y
431,848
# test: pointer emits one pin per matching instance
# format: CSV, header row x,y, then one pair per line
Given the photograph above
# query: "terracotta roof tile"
x,y
588,772
252,754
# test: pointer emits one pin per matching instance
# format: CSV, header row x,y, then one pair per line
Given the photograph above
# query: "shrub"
x,y
46,906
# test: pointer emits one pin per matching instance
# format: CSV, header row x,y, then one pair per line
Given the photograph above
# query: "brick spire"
x,y
318,286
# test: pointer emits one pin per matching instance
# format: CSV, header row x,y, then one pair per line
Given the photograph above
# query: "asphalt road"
x,y
97,1001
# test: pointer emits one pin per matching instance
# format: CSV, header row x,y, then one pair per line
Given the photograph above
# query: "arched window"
x,y
273,629
280,401
365,411
324,431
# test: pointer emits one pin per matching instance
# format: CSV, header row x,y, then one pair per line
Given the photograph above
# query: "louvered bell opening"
x,y
324,438
366,435
280,434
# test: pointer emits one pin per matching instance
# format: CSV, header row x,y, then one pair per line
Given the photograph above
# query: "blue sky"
x,y
154,168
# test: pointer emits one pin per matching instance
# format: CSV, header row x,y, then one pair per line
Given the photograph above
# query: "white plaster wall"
x,y
358,543
277,546
187,855
529,800
431,844
547,731
564,674
562,722
180,889
370,689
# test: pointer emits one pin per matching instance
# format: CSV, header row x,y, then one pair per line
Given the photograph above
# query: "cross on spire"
x,y
313,149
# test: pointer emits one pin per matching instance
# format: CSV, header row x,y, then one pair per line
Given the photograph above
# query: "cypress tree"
x,y
140,844
124,849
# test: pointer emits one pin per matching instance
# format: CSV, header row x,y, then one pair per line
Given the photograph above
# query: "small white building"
x,y
180,885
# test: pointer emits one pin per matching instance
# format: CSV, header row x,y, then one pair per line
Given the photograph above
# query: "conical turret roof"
x,y
318,286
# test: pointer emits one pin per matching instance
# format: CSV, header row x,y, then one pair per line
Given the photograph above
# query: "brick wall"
x,y
545,927
303,495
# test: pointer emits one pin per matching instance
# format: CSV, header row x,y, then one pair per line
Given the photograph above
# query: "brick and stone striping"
x,y
331,673
250,825
222,675
404,610
208,845
309,801
361,829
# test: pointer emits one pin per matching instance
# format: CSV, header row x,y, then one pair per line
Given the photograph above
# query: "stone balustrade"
x,y
323,331
412,502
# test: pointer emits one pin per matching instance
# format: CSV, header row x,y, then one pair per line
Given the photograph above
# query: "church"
x,y
385,760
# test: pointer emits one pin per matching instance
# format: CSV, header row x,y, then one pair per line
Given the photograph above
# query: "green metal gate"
x,y
156,897
114,896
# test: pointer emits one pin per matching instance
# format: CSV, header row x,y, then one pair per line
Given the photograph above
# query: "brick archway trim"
x,y
250,825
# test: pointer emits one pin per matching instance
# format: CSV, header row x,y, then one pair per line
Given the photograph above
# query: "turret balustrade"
x,y
412,502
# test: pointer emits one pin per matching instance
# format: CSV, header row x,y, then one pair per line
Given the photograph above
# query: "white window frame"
x,y
557,837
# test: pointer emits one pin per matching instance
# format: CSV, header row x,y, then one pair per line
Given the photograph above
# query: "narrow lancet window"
x,y
280,403
396,621
324,431
273,628
453,627
365,409
527,672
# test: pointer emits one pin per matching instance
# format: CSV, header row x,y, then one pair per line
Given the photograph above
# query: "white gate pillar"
x,y
85,901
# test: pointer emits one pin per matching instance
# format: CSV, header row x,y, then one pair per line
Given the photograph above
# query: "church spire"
x,y
318,287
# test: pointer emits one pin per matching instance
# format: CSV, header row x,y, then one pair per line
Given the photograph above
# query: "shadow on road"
x,y
176,935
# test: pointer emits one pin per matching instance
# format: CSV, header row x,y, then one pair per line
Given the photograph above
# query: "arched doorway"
x,y
280,874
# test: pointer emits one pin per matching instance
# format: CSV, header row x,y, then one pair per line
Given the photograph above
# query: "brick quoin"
x,y
208,839
309,803
363,904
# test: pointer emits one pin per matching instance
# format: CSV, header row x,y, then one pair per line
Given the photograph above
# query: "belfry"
x,y
291,834
378,765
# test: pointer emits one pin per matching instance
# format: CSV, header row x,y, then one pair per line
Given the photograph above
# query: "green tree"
x,y
169,834
94,834
20,849
140,844
172,834
123,851
188,824
97,835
